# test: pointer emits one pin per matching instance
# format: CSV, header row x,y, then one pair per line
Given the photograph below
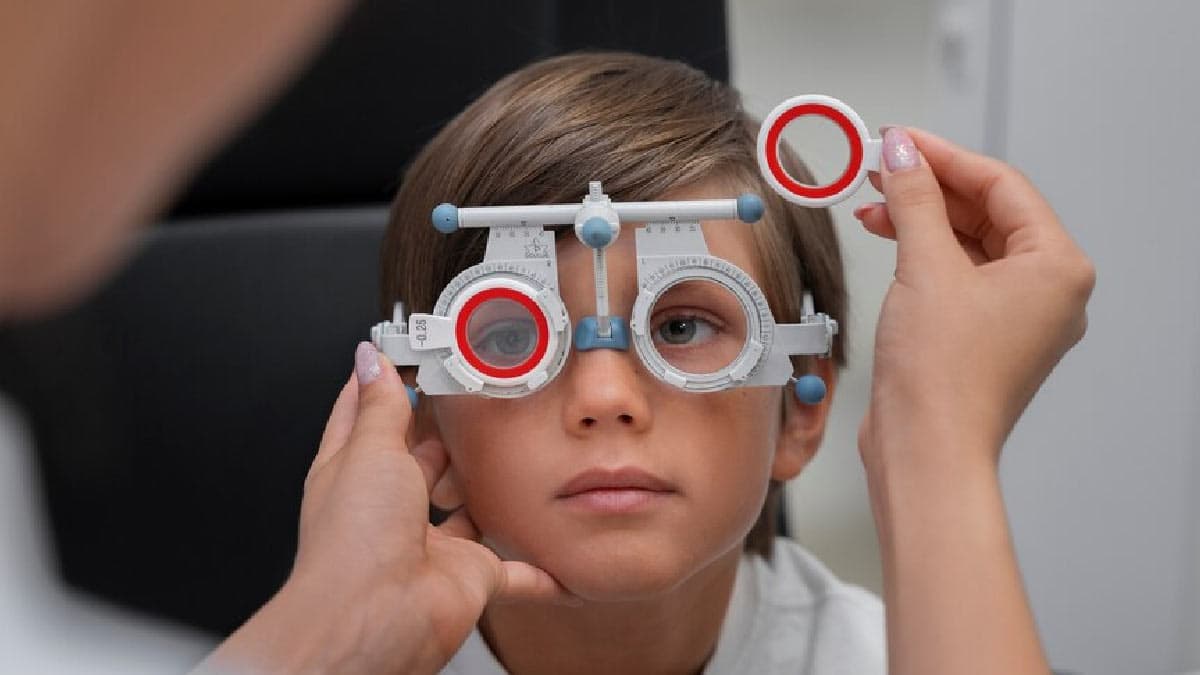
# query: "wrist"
x,y
311,626
920,466
379,628
952,588
903,430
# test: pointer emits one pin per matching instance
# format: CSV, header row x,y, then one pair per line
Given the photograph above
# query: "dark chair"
x,y
177,411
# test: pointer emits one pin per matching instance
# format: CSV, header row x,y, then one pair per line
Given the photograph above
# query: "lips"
x,y
614,480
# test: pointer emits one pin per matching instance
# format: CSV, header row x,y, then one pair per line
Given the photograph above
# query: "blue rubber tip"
x,y
412,396
445,218
810,389
596,232
749,208
587,335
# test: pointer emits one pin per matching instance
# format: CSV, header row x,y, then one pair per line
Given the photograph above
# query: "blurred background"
x,y
166,424
1095,102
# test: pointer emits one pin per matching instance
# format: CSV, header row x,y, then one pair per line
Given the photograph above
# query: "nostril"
x,y
588,421
626,418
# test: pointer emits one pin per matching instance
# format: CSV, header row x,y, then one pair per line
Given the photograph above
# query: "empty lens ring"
x,y
760,326
768,150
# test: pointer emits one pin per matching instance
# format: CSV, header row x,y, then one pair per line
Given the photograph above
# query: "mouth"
x,y
615,490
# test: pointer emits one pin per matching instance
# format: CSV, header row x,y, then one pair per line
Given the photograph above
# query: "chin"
x,y
620,568
620,578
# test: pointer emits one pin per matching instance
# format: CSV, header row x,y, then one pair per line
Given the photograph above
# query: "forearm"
x,y
308,630
954,598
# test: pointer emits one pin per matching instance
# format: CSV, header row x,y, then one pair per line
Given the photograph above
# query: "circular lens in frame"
x,y
502,333
698,327
829,109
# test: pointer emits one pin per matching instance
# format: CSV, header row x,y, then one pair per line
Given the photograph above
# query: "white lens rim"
x,y
850,125
760,325
479,279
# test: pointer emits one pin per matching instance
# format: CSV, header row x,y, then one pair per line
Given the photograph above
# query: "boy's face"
x,y
620,485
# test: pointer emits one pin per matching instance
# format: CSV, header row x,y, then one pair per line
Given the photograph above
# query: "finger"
x,y
459,524
916,207
338,426
522,581
1014,208
445,494
383,408
431,457
965,217
973,248
874,217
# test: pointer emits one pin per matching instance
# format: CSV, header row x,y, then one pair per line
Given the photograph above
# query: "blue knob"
x,y
412,396
810,389
445,218
749,208
596,232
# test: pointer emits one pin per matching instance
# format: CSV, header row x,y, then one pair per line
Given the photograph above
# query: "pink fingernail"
x,y
899,151
862,210
366,363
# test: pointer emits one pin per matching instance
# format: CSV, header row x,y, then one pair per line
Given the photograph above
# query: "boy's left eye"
x,y
685,329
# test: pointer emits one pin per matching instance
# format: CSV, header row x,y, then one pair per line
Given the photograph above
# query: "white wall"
x,y
1098,103
874,56
1102,113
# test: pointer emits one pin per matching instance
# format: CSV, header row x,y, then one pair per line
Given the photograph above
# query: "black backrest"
x,y
398,70
177,411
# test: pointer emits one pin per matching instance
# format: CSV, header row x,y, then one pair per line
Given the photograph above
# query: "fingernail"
x,y
899,152
862,210
366,363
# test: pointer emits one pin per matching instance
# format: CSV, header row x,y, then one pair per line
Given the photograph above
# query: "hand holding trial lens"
x,y
698,322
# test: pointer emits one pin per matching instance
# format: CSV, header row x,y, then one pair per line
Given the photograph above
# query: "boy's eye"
x,y
512,340
686,330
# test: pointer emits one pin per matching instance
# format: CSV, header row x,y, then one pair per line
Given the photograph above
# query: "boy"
x,y
695,477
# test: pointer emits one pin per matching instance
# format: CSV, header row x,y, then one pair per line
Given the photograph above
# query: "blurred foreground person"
x,y
105,107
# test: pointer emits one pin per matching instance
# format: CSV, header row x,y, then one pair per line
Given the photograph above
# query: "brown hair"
x,y
642,126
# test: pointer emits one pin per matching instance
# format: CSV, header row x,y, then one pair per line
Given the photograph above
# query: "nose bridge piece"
x,y
588,335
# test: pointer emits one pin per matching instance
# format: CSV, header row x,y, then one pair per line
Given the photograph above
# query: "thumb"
x,y
916,207
522,581
383,408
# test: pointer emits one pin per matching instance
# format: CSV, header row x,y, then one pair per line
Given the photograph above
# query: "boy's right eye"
x,y
507,342
502,333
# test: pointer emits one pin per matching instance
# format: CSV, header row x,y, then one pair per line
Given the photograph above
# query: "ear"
x,y
446,494
803,425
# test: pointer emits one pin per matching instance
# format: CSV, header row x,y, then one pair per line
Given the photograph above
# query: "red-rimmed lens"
x,y
502,333
814,191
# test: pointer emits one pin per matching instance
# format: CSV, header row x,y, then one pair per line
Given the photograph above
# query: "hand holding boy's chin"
x,y
638,560
375,587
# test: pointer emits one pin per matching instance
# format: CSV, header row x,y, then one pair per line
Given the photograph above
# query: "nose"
x,y
605,391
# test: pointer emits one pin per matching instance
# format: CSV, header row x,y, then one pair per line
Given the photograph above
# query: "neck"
x,y
674,632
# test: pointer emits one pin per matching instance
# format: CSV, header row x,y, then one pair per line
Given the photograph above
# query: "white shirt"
x,y
790,615
46,628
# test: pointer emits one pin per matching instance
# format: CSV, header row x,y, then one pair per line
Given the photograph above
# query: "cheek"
x,y
735,467
493,470
747,429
